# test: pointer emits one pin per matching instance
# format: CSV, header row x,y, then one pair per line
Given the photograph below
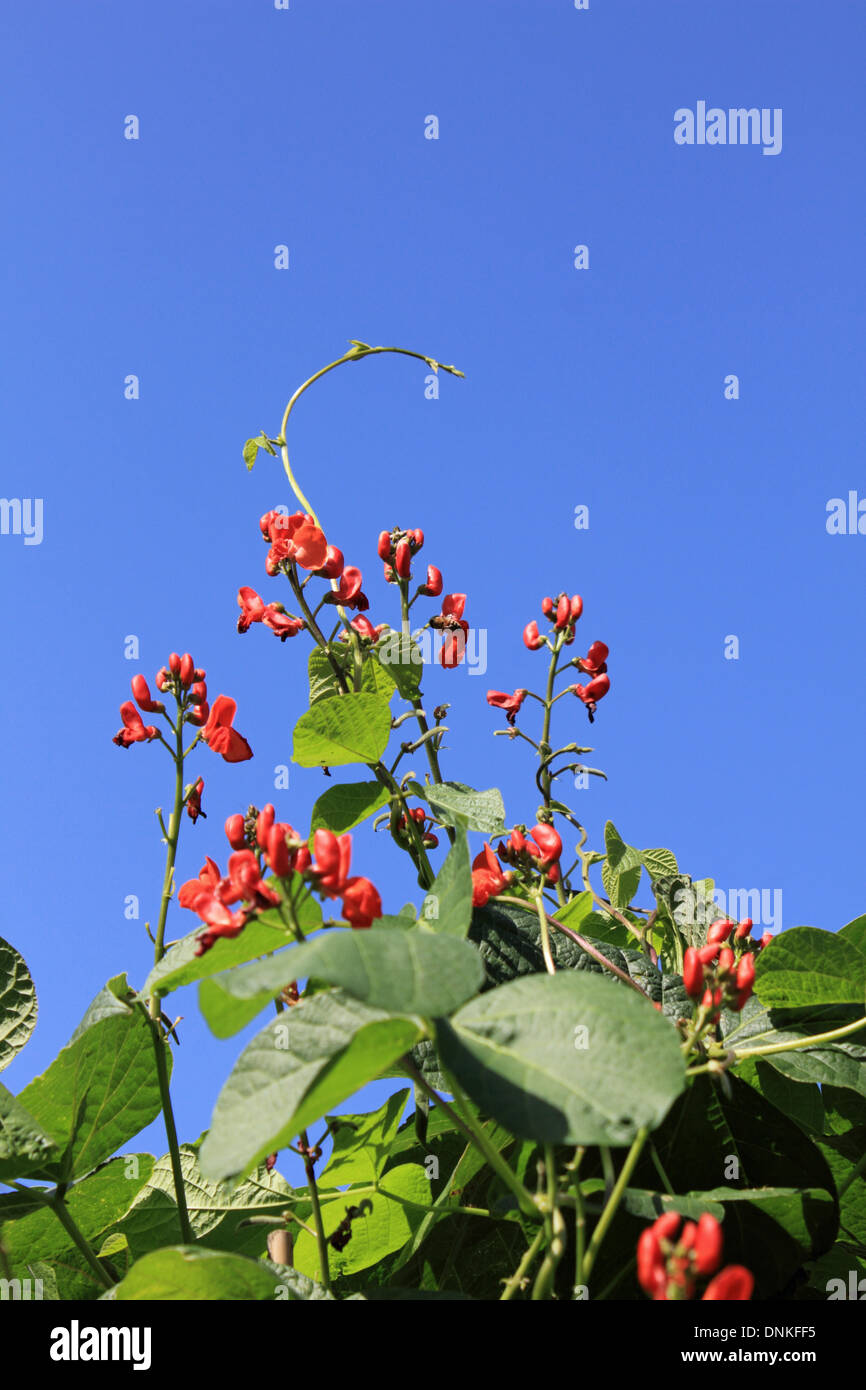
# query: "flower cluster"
x,y
720,976
185,681
563,613
668,1266
260,841
536,852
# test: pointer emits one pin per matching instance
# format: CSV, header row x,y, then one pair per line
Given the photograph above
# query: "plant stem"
x,y
614,1200
61,1211
814,1041
321,1242
460,1117
160,1046
513,1284
170,854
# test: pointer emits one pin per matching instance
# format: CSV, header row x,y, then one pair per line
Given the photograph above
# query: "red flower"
x,y
719,931
349,592
592,693
595,661
364,627
510,703
252,608
332,856
488,880
735,1283
219,735
548,841
282,623
361,902
531,636
294,538
193,802
141,694
134,729
334,564
450,620
205,885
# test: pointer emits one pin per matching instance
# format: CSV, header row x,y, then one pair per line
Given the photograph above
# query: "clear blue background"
x,y
602,387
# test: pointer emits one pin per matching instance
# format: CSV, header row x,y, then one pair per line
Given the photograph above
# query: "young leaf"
x,y
343,807
457,805
24,1147
352,729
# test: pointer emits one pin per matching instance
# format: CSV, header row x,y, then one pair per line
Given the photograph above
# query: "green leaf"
x,y
621,871
299,1068
217,1211
24,1147
460,806
385,1224
17,1003
354,728
447,907
362,1143
804,967
401,658
251,450
189,1274
415,971
181,966
659,863
855,933
323,681
844,1155
95,1204
841,1063
343,807
98,1092
567,1058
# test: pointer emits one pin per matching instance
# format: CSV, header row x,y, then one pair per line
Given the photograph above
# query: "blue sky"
x,y
601,387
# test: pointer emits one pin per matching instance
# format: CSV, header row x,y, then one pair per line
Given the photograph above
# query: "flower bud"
x,y
743,929
719,930
707,1245
693,973
266,817
563,612
235,833
187,666
531,637
766,939
174,664
726,959
416,539
403,559
547,606
576,607
384,545
433,586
